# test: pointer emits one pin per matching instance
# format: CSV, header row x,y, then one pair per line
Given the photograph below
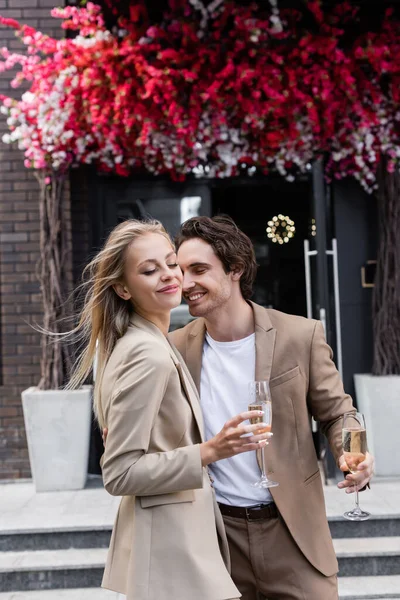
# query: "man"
x,y
279,539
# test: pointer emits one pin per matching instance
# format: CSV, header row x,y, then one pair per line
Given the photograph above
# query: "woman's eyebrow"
x,y
154,260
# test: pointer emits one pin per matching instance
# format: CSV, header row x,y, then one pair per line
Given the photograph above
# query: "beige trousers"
x,y
267,563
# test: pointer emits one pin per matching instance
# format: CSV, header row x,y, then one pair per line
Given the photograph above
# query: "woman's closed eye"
x,y
152,271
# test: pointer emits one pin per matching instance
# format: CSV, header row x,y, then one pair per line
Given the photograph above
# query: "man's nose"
x,y
188,282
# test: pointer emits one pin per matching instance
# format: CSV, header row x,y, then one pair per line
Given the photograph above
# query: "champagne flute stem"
x,y
263,468
356,498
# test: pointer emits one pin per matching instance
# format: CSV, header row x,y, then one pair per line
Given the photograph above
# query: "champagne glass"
x,y
354,439
260,399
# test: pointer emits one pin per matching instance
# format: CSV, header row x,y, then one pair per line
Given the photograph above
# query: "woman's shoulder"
x,y
138,344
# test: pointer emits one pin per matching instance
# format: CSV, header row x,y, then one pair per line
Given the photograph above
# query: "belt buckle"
x,y
248,515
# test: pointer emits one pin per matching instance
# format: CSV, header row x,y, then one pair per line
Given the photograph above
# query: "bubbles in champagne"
x,y
257,418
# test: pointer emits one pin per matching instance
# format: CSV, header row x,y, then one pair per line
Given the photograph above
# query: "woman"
x,y
164,544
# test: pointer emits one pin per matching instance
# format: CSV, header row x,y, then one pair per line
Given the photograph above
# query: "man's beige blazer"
x,y
165,542
291,352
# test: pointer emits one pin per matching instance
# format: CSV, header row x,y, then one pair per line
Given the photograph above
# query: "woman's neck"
x,y
161,320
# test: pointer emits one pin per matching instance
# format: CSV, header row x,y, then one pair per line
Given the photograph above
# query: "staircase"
x,y
66,561
369,558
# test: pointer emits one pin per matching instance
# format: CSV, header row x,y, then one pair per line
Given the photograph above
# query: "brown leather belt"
x,y
251,513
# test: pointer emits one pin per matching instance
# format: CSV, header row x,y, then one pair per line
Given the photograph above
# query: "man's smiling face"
x,y
206,285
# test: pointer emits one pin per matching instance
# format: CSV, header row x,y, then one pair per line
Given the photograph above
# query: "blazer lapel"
x,y
194,351
265,343
189,388
184,375
265,346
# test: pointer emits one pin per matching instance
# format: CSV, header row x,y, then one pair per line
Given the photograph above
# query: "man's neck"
x,y
235,322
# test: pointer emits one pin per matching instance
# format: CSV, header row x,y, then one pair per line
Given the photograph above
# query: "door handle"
x,y
336,292
322,311
307,254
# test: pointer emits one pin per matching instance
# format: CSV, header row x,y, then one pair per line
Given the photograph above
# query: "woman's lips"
x,y
170,289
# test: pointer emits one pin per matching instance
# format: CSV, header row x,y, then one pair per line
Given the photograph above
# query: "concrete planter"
x,y
57,424
378,397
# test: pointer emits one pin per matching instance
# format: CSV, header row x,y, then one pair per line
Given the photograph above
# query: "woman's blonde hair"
x,y
105,316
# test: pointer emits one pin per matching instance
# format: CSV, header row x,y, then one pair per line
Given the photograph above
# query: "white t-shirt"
x,y
227,368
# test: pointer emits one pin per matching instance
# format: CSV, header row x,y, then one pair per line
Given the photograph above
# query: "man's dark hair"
x,y
233,248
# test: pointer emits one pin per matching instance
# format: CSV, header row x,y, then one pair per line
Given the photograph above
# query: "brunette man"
x,y
279,539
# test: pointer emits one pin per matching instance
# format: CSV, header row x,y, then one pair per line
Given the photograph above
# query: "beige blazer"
x,y
165,541
291,352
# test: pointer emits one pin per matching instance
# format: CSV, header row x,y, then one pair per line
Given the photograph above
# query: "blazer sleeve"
x,y
326,397
128,467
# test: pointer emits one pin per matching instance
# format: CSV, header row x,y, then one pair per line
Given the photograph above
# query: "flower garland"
x,y
212,91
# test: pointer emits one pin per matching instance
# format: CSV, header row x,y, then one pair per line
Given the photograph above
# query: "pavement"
x,y
23,509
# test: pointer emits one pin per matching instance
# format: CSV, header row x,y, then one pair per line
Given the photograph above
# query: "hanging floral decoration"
x,y
212,91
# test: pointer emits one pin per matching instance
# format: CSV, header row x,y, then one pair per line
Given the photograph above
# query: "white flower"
x,y
28,97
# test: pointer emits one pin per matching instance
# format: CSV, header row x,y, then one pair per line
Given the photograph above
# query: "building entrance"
x,y
275,214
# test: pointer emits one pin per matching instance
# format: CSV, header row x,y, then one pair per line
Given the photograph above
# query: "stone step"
x,y
366,588
75,594
350,588
83,567
99,536
55,539
368,556
379,526
51,569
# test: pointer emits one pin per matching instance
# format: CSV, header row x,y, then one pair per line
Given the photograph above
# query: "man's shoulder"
x,y
279,318
294,325
179,336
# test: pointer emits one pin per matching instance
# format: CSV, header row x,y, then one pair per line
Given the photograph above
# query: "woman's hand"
x,y
230,441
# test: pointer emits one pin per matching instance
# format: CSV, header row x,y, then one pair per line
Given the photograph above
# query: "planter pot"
x,y
57,424
378,397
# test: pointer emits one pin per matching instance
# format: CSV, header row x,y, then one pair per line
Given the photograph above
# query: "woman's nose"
x,y
167,274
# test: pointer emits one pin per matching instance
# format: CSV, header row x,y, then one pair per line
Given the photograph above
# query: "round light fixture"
x,y
280,229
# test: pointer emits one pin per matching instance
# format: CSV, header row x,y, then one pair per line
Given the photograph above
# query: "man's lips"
x,y
193,296
169,289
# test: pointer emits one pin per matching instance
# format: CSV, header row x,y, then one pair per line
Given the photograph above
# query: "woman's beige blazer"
x,y
168,532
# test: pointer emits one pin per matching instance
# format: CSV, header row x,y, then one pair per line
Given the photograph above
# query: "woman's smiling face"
x,y
152,277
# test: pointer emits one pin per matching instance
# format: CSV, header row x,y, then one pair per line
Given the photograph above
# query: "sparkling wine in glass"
x,y
354,439
260,399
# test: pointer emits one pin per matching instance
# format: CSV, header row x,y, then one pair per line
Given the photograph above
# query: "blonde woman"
x,y
168,535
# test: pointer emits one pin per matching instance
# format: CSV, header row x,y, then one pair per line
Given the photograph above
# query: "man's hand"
x,y
104,436
365,470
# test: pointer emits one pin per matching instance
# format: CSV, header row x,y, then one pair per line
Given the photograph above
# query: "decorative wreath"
x,y
280,229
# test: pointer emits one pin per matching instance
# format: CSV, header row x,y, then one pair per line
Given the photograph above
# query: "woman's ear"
x,y
122,291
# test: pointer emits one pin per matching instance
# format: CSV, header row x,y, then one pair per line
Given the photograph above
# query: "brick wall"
x,y
19,249
80,212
